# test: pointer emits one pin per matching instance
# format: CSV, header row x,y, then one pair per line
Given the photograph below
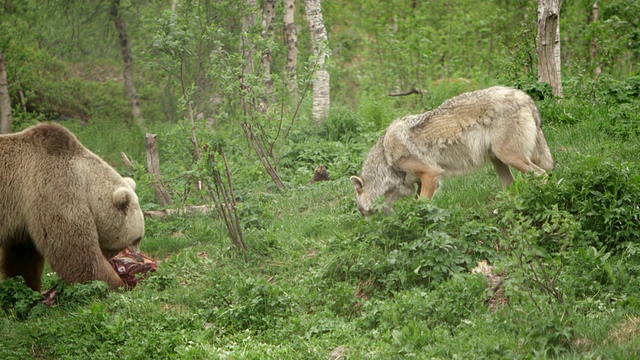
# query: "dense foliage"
x,y
562,275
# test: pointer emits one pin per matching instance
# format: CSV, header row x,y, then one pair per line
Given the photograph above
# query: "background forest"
x,y
292,270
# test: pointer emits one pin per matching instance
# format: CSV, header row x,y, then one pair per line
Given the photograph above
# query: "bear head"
x,y
130,221
118,218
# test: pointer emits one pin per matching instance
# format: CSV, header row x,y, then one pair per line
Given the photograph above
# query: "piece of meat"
x,y
129,264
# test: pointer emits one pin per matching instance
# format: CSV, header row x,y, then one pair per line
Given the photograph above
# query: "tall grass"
x,y
317,276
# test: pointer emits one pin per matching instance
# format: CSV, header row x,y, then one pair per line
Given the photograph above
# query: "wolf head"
x,y
363,201
379,179
389,185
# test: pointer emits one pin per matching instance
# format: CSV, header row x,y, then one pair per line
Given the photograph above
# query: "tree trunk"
x,y
319,39
267,57
594,44
549,44
125,47
247,51
153,164
291,38
5,103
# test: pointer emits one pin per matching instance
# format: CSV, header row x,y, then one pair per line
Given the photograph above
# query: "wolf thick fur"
x,y
498,125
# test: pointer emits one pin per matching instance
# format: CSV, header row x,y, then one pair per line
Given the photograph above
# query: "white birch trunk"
x,y
319,40
291,38
549,44
594,43
268,19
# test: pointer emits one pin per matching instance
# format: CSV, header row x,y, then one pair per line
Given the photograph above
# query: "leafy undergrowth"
x,y
562,279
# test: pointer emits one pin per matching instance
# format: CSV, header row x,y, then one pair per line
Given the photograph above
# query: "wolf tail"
x,y
541,154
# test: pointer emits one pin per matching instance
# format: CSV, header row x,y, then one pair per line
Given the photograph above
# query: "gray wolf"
x,y
499,125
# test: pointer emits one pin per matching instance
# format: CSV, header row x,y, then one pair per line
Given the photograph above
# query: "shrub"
x,y
536,258
255,304
569,111
602,196
598,279
536,89
407,248
627,90
623,121
17,297
378,112
341,159
342,125
449,303
81,293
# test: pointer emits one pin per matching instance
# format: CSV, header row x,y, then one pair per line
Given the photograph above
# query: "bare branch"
x,y
410,92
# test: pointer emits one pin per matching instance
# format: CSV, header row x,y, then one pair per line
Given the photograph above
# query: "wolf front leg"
x,y
429,176
429,186
503,172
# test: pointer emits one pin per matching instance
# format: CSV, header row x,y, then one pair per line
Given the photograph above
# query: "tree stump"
x,y
153,163
320,174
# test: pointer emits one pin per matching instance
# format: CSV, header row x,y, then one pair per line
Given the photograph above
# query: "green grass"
x,y
317,276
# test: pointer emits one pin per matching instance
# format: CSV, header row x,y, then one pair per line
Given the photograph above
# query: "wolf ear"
x,y
358,183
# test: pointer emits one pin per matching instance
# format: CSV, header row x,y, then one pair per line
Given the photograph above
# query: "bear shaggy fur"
x,y
61,202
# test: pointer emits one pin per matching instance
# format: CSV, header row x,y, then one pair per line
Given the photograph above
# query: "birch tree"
x,y
320,43
291,39
5,103
549,44
268,18
125,48
594,42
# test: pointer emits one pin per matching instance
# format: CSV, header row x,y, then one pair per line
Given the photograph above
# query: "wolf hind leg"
x,y
517,152
542,155
503,172
527,166
520,162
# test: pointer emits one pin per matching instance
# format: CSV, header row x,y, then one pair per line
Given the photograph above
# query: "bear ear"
x,y
358,183
122,198
130,182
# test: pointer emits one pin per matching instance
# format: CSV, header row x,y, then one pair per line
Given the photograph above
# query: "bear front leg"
x,y
86,265
72,249
23,259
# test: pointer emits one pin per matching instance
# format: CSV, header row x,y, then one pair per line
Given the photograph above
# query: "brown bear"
x,y
61,202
